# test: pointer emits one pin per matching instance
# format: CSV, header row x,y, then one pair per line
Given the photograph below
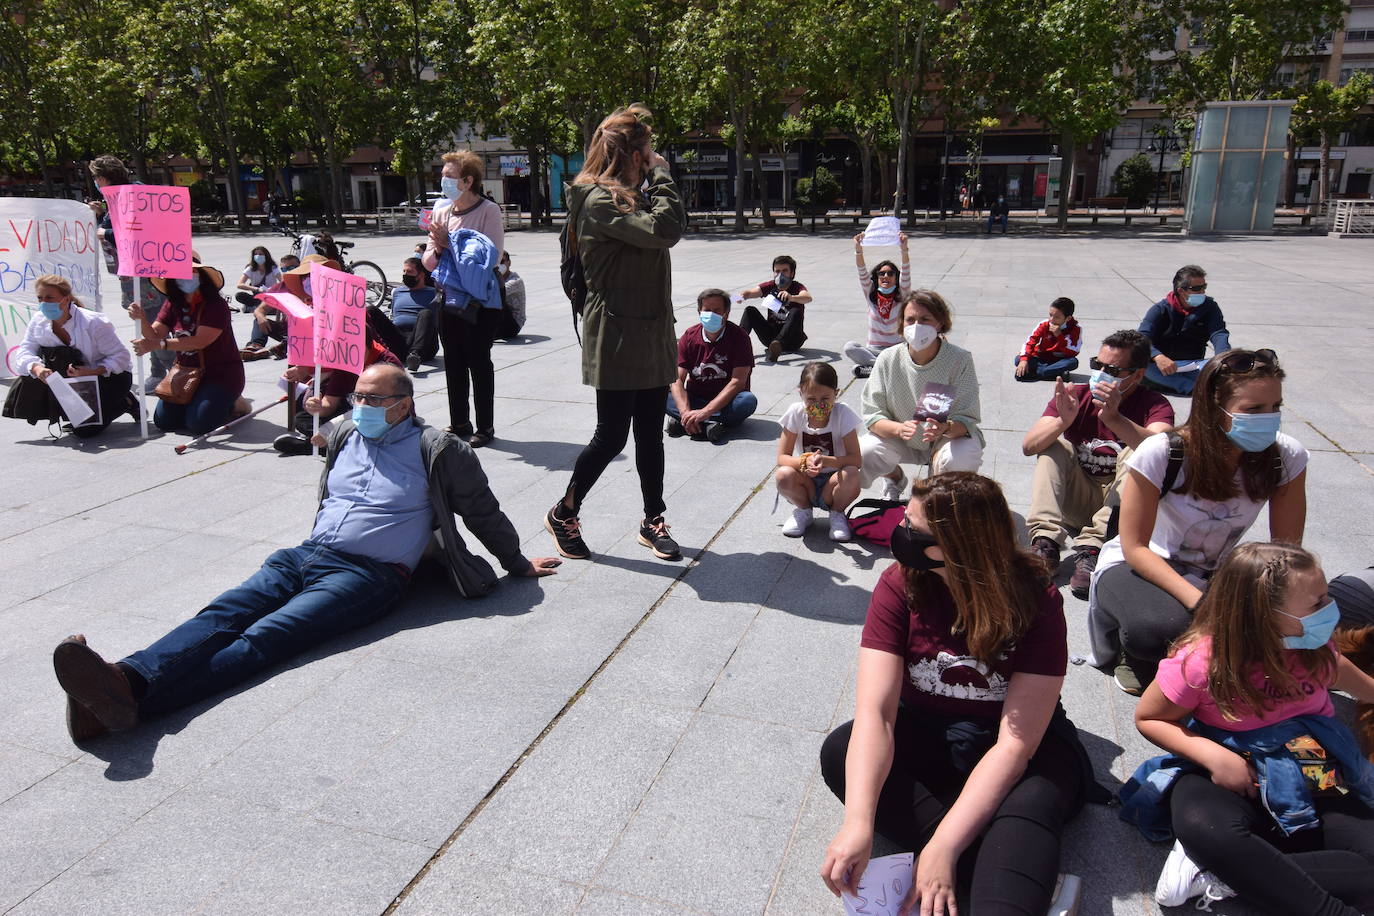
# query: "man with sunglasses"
x,y
1179,327
1082,442
389,492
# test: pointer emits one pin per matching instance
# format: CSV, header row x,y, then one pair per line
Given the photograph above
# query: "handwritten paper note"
x,y
152,226
340,301
882,888
882,230
300,326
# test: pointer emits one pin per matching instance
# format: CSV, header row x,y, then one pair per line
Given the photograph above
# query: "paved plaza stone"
x,y
630,736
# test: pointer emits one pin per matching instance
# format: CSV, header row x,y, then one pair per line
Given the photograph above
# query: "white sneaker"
x,y
839,527
1067,891
1180,880
796,526
892,489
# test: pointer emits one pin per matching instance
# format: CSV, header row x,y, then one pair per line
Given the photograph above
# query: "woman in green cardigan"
x,y
629,348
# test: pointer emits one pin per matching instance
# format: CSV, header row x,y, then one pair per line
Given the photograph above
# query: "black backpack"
x,y
570,267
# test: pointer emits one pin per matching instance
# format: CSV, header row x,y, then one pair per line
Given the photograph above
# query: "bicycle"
x,y
378,290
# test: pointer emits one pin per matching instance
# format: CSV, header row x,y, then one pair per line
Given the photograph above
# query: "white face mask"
x,y
919,336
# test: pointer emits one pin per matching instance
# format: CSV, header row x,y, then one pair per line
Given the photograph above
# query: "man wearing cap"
x,y
389,492
335,384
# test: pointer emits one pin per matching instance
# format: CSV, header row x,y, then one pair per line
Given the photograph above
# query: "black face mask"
x,y
410,280
909,548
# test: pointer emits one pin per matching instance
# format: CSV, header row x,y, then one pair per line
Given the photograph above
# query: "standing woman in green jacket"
x,y
625,213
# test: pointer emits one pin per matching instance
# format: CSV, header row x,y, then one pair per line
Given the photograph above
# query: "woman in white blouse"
x,y
62,322
259,275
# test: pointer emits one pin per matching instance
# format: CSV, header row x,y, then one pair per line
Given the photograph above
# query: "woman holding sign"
x,y
921,403
959,749
64,334
194,323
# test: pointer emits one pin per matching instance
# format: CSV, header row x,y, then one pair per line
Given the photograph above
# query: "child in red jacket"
x,y
1051,351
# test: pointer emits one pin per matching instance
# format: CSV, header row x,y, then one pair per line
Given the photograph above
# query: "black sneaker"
x,y
292,444
567,534
413,362
1048,551
653,534
715,431
863,371
675,429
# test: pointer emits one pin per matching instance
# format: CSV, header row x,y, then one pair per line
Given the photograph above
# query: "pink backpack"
x,y
874,520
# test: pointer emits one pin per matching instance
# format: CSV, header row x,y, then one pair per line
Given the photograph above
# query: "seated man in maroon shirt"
x,y
1083,440
779,331
714,360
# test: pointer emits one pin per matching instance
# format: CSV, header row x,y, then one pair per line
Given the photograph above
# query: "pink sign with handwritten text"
x,y
300,326
152,227
340,301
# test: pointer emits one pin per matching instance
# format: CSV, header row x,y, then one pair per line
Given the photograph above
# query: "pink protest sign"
x,y
340,301
300,326
152,227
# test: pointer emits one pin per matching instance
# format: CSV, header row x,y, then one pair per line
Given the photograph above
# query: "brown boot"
x,y
95,684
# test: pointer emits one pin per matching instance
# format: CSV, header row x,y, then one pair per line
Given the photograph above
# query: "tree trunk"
x,y
1325,177
903,138
739,174
536,190
1066,152
866,168
1290,183
761,187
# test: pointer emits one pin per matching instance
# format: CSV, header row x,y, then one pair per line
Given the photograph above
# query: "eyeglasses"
x,y
372,400
1242,361
885,272
1114,371
1200,288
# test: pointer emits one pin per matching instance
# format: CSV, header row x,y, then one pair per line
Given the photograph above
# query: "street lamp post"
x,y
1166,141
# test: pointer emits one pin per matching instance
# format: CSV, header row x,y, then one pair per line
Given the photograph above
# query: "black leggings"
x,y
1012,868
1326,871
467,352
1148,617
616,412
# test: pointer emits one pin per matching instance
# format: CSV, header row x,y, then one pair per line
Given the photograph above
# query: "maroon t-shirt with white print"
x,y
940,674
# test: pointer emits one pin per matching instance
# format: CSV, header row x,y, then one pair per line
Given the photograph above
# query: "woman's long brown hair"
x,y
1205,446
1240,614
996,586
610,156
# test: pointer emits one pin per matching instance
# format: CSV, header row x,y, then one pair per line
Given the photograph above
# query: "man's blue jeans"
x,y
300,597
740,408
1178,383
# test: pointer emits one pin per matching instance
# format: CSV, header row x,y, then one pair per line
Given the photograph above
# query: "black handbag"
x,y
32,400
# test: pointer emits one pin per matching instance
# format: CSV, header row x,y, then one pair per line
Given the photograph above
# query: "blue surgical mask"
x,y
1196,299
712,321
887,290
189,285
1099,377
51,310
449,187
1253,432
1316,628
259,259
371,421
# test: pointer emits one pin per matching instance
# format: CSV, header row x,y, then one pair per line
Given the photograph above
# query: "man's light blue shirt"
x,y
378,504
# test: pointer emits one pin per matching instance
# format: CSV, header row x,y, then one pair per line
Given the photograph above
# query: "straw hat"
x,y
294,278
160,283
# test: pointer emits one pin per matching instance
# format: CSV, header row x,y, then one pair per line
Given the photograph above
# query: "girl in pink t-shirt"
x,y
1258,652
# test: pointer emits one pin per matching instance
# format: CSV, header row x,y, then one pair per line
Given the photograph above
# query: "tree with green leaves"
x,y
1134,179
1323,111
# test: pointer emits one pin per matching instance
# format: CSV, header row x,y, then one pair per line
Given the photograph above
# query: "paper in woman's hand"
x,y
73,405
935,402
881,231
882,888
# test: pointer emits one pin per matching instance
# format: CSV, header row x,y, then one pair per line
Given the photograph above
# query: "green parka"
x,y
628,340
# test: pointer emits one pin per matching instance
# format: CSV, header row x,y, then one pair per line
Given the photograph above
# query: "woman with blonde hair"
x,y
959,749
75,342
629,351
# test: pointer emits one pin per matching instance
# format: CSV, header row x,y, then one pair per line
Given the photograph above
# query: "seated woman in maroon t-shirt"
x,y
959,749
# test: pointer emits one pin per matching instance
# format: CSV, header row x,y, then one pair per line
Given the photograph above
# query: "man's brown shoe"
x,y
95,683
82,724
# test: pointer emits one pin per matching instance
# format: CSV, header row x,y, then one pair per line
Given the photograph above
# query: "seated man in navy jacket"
x,y
1179,327
390,488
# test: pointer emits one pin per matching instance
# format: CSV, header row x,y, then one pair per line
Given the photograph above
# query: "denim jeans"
x,y
1178,383
1039,370
209,409
300,597
740,408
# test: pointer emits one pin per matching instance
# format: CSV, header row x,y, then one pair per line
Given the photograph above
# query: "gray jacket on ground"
x,y
457,485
